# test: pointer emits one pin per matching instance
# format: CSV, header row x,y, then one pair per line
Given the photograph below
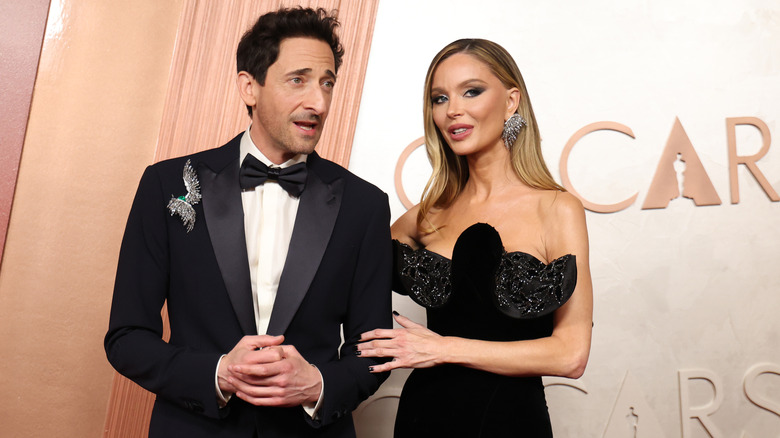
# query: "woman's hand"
x,y
412,346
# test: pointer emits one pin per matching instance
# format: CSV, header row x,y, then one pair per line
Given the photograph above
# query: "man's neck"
x,y
273,155
248,146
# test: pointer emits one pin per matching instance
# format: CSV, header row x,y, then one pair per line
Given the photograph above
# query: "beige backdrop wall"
x,y
686,297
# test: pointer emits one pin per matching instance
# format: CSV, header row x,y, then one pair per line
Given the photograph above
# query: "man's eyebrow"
x,y
307,70
300,71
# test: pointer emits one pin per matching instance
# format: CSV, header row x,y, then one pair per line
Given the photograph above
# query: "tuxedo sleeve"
x,y
134,343
348,381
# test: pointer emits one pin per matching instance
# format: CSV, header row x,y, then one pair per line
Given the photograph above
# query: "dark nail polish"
x,y
395,313
370,369
358,352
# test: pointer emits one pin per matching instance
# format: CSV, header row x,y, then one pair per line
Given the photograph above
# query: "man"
x,y
264,252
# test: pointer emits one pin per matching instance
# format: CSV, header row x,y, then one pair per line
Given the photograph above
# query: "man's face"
x,y
289,111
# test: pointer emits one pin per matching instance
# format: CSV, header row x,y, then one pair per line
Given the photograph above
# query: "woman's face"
x,y
470,104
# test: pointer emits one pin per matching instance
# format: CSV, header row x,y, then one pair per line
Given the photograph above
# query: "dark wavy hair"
x,y
259,47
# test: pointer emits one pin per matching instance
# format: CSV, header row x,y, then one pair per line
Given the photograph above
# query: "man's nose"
x,y
317,100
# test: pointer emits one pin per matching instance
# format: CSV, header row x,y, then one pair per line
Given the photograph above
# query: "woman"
x,y
498,254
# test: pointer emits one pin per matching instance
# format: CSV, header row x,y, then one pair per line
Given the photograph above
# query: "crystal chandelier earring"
x,y
511,128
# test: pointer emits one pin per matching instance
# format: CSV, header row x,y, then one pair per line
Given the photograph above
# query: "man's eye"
x,y
328,84
296,80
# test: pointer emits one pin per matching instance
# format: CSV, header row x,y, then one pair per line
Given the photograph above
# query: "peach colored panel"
x,y
21,31
203,110
93,126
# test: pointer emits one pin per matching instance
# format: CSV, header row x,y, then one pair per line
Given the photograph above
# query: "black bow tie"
x,y
254,173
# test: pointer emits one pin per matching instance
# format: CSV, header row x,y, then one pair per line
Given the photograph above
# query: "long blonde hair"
x,y
450,171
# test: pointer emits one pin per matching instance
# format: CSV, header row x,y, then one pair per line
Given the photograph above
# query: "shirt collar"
x,y
248,147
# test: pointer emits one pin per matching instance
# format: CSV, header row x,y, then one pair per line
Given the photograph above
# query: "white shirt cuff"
x,y
221,399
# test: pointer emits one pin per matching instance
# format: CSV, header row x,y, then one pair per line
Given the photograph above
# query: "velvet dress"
x,y
482,293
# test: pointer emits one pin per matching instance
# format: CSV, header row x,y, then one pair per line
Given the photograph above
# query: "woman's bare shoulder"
x,y
560,205
565,226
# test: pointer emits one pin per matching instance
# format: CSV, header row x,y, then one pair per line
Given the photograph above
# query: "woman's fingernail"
x,y
358,352
396,313
370,369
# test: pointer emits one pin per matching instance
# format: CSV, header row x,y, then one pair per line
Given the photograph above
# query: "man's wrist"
x,y
312,407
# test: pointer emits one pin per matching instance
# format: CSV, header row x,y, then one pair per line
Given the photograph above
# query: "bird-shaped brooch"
x,y
182,205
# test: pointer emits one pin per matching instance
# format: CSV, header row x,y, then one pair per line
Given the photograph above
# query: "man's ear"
x,y
246,88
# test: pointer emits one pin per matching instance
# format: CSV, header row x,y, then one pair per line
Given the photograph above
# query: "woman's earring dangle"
x,y
511,129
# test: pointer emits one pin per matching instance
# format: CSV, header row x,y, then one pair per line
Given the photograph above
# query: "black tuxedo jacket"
x,y
337,274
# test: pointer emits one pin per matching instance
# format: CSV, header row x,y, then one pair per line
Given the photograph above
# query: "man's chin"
x,y
304,150
306,147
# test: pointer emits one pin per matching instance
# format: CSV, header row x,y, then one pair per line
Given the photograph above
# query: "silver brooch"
x,y
182,205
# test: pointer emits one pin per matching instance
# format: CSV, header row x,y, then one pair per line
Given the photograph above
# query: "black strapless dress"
x,y
482,293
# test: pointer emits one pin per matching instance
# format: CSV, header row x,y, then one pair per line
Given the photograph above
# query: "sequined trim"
x,y
525,286
425,275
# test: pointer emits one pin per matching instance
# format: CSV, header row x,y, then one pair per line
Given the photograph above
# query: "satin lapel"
x,y
224,214
317,212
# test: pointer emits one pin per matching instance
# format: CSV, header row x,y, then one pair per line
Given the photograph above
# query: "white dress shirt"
x,y
269,218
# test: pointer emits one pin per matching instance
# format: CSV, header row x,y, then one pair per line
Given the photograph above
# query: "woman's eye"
x,y
473,92
437,100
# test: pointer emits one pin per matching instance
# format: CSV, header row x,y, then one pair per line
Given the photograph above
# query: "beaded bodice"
x,y
517,284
